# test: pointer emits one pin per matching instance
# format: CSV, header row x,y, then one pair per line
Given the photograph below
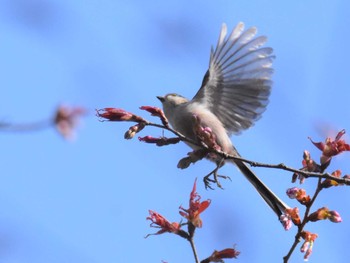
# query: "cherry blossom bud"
x,y
286,221
291,215
155,111
292,192
309,164
299,194
308,244
205,134
116,114
133,130
320,214
334,217
324,213
329,182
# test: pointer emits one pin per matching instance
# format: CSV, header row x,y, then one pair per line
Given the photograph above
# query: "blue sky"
x,y
87,201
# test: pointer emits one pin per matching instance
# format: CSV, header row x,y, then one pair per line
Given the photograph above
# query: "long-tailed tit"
x,y
233,95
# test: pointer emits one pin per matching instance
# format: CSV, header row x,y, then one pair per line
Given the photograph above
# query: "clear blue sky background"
x,y
87,201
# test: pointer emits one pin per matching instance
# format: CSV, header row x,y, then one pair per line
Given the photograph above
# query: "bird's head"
x,y
172,100
170,103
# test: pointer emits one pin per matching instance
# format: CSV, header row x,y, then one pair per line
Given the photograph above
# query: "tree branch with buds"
x,y
193,221
207,146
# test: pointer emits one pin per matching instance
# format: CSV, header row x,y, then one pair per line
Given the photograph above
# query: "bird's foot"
x,y
208,181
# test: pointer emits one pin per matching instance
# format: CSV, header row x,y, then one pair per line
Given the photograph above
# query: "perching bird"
x,y
233,95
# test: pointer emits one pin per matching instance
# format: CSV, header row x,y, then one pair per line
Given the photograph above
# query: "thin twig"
x,y
27,127
280,166
194,250
303,223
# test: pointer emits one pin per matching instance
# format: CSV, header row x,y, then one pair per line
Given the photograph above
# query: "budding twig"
x,y
280,166
207,145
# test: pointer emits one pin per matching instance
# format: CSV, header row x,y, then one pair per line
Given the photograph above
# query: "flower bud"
x,y
292,192
116,114
329,182
299,194
133,130
334,216
324,213
155,111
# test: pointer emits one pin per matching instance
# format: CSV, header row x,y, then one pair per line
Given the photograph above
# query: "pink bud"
x,y
286,222
292,192
334,216
116,114
155,111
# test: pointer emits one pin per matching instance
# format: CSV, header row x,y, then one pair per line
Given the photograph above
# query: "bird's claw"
x,y
207,180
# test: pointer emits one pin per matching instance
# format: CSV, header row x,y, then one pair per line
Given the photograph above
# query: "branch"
x,y
64,119
303,223
205,139
27,127
280,166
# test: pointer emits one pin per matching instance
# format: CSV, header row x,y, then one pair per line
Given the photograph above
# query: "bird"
x,y
234,93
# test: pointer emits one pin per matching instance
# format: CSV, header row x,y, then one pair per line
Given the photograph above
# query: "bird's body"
x,y
184,111
233,95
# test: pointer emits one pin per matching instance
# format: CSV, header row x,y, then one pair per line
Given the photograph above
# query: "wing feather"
x,y
238,82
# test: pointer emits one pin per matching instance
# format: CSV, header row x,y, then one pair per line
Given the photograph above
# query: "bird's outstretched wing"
x,y
237,84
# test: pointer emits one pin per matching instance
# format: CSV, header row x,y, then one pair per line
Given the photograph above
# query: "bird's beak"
x,y
162,99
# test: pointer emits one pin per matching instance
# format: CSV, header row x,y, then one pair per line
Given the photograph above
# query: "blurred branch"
x,y
64,120
26,127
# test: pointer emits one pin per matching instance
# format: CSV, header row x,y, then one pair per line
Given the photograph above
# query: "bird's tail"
x,y
276,204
